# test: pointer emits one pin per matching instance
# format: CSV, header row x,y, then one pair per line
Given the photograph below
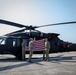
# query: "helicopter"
x,y
10,43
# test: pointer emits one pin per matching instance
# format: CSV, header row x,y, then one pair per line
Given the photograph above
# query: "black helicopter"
x,y
11,43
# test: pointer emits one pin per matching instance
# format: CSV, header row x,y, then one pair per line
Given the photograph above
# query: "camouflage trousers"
x,y
23,53
46,54
30,53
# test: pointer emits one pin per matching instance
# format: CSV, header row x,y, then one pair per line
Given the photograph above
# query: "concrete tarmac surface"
x,y
59,64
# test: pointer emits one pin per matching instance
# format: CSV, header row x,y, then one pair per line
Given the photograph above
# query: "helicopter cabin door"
x,y
9,42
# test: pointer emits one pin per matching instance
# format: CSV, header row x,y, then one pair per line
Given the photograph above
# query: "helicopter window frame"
x,y
14,42
2,41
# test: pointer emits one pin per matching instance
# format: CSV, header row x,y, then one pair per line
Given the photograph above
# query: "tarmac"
x,y
59,64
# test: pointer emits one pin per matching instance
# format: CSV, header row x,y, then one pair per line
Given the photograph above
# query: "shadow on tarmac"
x,y
57,59
71,59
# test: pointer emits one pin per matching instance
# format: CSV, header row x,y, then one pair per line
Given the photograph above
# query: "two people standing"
x,y
45,52
31,45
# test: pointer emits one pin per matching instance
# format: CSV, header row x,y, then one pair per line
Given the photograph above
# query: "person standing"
x,y
31,46
23,49
46,50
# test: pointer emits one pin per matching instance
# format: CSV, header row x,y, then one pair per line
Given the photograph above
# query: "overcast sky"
x,y
40,12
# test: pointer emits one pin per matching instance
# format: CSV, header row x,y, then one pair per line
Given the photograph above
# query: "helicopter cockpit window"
x,y
2,41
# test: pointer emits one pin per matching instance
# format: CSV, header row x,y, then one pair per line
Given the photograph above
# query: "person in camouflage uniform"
x,y
23,49
31,46
46,50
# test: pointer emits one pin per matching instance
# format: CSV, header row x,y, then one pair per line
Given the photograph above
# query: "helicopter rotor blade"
x,y
12,23
72,22
17,24
33,27
15,32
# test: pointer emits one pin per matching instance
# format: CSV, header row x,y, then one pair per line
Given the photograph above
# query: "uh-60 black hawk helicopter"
x,y
11,43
